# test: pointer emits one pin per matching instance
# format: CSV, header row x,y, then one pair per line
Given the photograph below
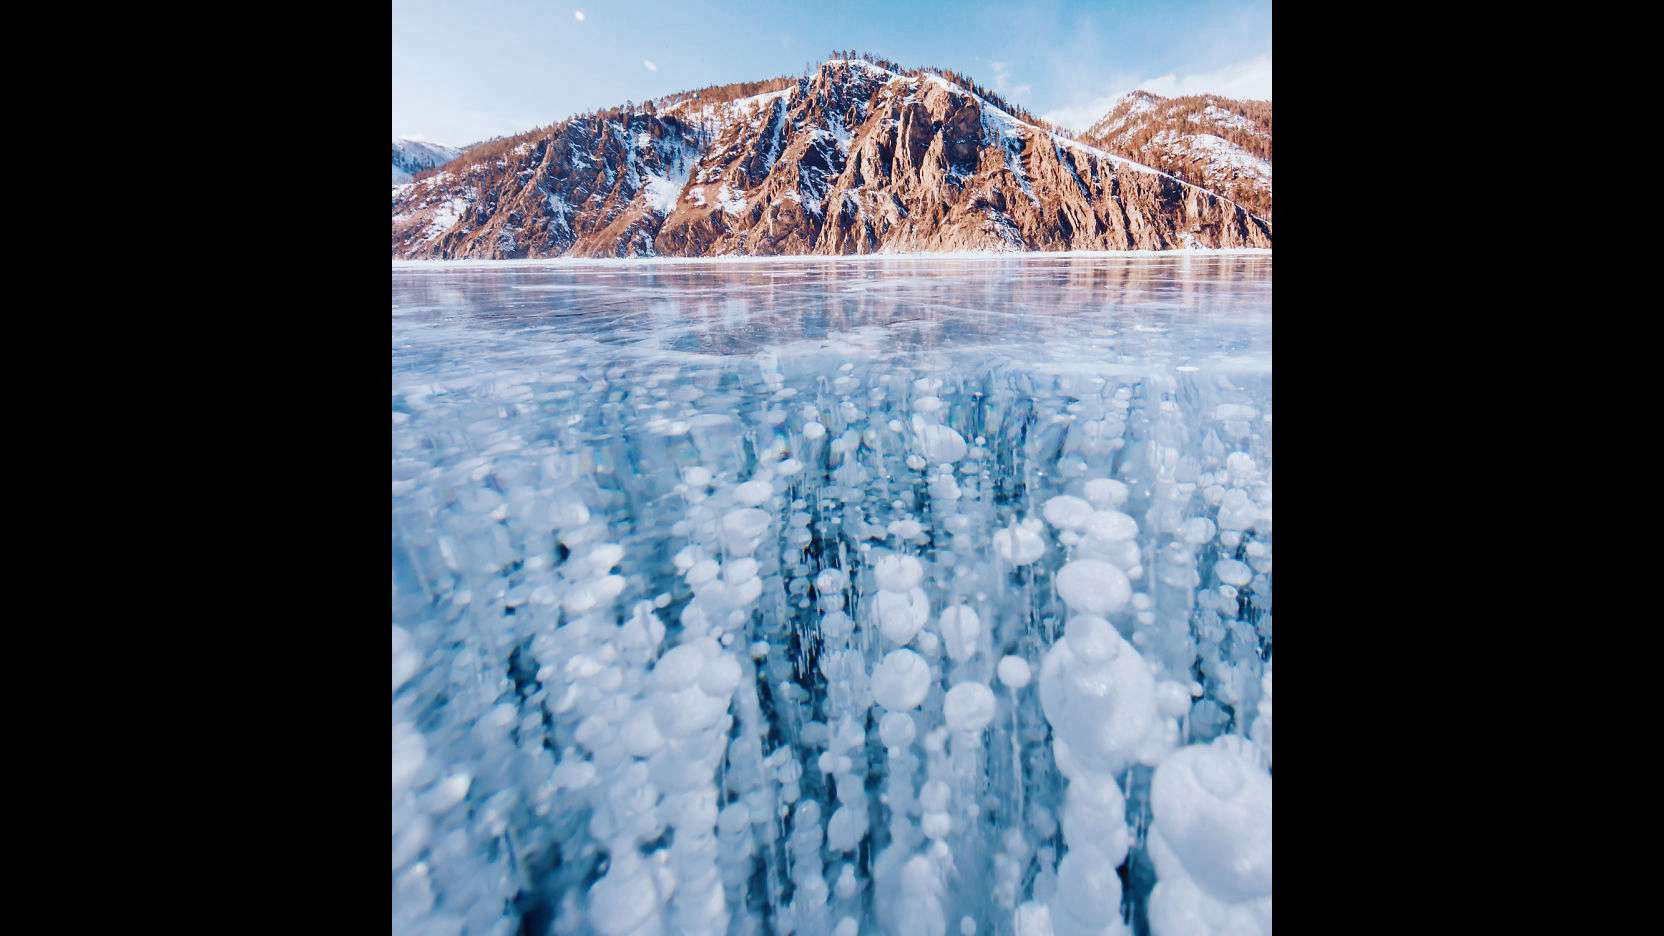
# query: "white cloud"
x,y
578,15
1004,85
1248,79
648,64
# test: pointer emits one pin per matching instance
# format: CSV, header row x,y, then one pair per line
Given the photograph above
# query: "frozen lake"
x,y
833,596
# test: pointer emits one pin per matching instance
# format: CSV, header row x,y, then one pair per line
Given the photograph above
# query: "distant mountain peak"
x,y
1218,143
413,156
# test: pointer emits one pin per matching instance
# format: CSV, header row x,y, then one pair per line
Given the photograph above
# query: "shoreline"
x,y
914,257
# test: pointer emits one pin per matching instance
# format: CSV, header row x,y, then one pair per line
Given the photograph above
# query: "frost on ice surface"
x,y
816,597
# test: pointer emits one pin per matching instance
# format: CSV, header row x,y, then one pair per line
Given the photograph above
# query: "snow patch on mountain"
x,y
731,201
1219,152
560,211
444,217
1222,117
664,190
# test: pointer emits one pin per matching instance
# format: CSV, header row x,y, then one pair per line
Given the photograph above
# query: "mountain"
x,y
1218,143
412,156
857,157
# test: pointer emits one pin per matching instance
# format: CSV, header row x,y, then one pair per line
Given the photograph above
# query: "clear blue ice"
x,y
833,596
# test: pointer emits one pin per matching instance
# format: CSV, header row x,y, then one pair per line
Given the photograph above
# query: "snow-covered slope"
x,y
1221,144
412,156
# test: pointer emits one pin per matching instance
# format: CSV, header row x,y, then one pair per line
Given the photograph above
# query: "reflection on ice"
x,y
832,597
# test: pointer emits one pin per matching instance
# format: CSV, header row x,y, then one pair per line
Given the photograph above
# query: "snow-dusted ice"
x,y
854,596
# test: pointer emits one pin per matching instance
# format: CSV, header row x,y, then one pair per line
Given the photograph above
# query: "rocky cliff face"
x,y
1220,144
852,159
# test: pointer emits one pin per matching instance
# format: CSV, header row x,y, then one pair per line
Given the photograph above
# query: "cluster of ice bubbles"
x,y
832,644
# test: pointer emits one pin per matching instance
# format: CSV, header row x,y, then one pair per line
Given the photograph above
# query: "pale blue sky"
x,y
464,71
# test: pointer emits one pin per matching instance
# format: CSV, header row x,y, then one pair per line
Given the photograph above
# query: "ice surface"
x,y
833,596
